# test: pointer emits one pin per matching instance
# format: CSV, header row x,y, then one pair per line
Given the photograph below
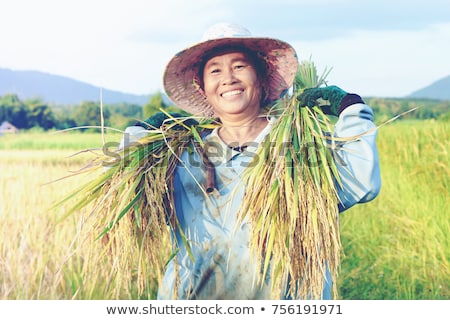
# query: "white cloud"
x,y
384,63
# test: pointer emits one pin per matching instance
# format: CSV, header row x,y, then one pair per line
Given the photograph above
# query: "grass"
x,y
396,247
56,140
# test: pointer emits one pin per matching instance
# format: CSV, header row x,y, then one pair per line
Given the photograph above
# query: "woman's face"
x,y
231,85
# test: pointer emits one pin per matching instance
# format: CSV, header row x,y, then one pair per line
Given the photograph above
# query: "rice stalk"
x,y
131,205
295,226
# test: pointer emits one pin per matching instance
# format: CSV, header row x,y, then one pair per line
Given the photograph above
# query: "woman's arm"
x,y
357,159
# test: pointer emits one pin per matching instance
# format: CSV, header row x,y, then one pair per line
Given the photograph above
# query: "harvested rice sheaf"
x,y
291,198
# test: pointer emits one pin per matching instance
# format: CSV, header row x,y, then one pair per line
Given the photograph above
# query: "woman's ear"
x,y
197,83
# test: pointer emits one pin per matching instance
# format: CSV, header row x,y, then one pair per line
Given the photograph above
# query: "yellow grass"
x,y
33,246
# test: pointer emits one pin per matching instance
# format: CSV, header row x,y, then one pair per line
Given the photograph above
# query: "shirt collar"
x,y
219,152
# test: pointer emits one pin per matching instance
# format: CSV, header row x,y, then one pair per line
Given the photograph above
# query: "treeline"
x,y
34,113
387,108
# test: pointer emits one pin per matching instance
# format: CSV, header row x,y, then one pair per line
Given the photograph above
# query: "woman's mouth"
x,y
232,93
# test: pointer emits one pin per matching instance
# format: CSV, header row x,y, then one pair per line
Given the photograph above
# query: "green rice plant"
x,y
397,246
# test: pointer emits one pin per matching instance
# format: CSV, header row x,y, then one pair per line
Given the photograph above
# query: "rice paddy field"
x,y
395,247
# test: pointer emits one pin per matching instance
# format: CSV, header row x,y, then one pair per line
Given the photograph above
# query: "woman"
x,y
232,76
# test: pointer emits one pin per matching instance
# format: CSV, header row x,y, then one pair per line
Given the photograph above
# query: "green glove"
x,y
157,120
332,94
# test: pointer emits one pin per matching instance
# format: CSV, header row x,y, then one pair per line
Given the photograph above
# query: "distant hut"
x,y
7,127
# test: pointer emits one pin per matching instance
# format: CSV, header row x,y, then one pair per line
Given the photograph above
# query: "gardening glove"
x,y
338,99
157,120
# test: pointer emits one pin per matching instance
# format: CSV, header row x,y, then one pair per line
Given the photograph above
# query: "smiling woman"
x,y
223,237
243,197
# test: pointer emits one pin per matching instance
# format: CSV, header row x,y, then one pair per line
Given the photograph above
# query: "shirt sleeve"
x,y
131,135
356,158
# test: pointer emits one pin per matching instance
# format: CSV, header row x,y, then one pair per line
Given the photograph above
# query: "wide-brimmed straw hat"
x,y
182,70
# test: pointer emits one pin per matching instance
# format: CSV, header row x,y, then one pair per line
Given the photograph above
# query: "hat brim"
x,y
178,79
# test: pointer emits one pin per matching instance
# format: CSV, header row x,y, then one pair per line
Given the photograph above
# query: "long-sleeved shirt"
x,y
222,266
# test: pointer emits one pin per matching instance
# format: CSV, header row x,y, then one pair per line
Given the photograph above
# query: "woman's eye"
x,y
215,71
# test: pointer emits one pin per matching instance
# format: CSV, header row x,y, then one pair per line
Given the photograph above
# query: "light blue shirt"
x,y
222,266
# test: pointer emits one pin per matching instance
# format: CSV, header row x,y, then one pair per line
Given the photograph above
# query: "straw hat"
x,y
182,70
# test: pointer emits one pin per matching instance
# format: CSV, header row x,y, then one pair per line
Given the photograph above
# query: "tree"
x,y
88,114
14,111
123,115
154,105
40,115
157,103
125,109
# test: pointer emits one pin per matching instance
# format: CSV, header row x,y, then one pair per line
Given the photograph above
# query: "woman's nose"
x,y
228,77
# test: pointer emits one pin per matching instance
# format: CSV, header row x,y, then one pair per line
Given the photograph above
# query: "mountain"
x,y
439,90
60,90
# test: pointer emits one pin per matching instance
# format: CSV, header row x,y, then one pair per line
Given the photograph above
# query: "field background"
x,y
396,247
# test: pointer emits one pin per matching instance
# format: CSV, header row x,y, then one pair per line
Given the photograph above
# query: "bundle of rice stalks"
x,y
131,201
291,197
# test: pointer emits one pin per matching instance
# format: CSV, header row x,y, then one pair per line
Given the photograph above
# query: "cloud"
x,y
325,19
388,63
380,48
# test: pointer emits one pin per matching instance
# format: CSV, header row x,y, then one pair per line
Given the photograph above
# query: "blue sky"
x,y
375,48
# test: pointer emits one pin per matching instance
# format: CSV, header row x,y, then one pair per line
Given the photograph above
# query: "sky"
x,y
383,48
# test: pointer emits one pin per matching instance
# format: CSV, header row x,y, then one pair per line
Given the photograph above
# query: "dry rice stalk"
x,y
139,187
295,221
